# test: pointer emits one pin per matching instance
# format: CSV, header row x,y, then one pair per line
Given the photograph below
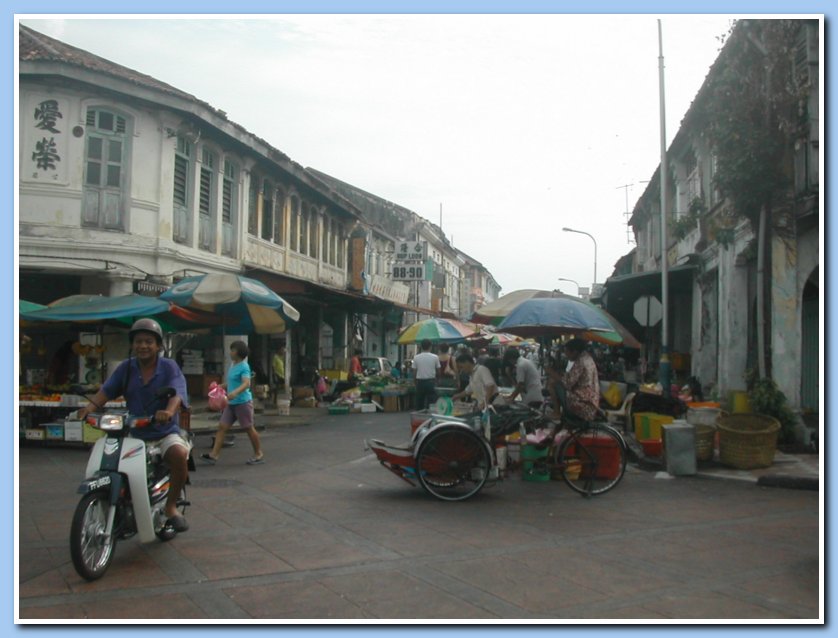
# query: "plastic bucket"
x,y
740,403
533,463
702,416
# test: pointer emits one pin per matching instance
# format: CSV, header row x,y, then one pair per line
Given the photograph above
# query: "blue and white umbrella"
x,y
245,305
554,316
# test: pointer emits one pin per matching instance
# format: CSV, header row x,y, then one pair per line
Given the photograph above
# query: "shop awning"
x,y
622,291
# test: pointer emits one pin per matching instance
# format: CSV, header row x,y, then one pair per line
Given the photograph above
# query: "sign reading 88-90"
x,y
409,272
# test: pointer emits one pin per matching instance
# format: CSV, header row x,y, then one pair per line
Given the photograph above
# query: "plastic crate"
x,y
338,409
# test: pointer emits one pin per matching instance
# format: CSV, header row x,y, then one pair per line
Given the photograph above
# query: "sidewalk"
x,y
205,421
798,471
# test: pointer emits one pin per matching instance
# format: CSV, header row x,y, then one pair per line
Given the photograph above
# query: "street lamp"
x,y
582,232
573,282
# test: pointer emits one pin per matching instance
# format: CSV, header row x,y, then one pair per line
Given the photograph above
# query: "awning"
x,y
623,290
301,293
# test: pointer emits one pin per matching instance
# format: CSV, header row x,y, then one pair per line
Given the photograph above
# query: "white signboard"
x,y
648,310
384,288
409,271
411,251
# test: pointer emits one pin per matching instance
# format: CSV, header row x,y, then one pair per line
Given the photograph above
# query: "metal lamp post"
x,y
571,281
582,232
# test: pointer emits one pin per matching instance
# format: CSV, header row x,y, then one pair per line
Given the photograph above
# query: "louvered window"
x,y
181,200
312,233
267,210
205,191
181,180
104,169
228,191
279,217
253,206
294,231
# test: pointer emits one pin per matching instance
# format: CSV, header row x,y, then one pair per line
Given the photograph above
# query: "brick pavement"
x,y
322,532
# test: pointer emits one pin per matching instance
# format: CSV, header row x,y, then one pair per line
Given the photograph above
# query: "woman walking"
x,y
239,406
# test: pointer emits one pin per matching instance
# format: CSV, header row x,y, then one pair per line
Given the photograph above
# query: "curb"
x,y
789,482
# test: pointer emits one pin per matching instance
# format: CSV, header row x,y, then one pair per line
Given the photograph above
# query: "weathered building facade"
x,y
717,258
128,184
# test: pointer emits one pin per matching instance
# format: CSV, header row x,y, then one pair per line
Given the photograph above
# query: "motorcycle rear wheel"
x,y
90,549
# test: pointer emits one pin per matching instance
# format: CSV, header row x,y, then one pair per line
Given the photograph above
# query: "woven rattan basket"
x,y
747,441
705,438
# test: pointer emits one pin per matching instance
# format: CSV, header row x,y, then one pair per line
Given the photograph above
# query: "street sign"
x,y
412,271
648,310
411,251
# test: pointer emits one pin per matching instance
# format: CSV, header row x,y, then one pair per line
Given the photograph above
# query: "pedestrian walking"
x,y
239,406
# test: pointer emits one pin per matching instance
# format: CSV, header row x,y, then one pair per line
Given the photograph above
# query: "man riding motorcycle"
x,y
138,378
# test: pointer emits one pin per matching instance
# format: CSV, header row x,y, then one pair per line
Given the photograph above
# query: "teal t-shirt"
x,y
236,375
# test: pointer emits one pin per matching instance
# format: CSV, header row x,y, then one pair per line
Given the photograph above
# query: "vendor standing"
x,y
481,385
427,369
527,378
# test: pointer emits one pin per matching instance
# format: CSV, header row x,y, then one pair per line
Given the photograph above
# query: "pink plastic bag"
x,y
217,397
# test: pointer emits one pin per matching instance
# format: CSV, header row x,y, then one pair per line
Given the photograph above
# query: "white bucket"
x,y
702,416
283,406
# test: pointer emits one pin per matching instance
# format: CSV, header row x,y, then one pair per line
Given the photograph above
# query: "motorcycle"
x,y
123,494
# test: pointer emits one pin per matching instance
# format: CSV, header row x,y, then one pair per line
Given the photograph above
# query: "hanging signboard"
x,y
411,251
409,271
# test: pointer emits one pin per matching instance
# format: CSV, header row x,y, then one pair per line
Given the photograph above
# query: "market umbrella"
x,y
555,316
120,311
245,304
437,330
488,337
619,336
616,335
493,313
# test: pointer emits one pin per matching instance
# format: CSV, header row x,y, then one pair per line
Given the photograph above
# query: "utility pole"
x,y
664,369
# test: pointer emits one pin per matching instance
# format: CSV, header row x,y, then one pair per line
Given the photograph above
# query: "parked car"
x,y
376,366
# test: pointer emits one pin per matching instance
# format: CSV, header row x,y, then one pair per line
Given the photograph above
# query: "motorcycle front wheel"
x,y
90,548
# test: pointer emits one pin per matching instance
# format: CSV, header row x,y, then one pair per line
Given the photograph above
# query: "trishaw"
x,y
452,458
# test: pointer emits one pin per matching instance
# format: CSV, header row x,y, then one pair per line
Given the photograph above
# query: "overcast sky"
x,y
515,125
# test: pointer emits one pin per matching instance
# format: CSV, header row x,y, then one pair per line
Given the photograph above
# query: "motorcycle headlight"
x,y
111,422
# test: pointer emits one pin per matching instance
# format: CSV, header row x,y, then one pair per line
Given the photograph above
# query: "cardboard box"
x,y
35,434
72,430
391,403
366,408
54,431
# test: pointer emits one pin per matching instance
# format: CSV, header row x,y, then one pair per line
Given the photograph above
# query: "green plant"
x,y
766,398
682,226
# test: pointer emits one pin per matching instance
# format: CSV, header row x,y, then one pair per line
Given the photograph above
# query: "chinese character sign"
x,y
411,251
48,141
45,155
46,114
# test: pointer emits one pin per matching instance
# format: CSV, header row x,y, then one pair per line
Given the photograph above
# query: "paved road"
x,y
321,531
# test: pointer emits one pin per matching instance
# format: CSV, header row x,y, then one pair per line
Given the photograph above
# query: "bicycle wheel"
x,y
452,463
592,459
